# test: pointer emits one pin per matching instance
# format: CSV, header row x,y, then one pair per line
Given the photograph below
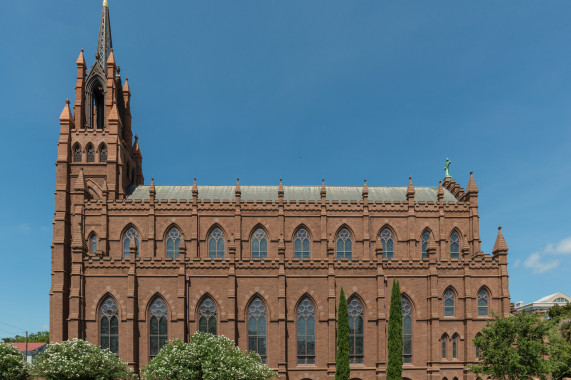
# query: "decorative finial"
x,y
447,168
67,101
500,228
105,4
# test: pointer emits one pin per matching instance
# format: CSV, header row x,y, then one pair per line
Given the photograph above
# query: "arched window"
x,y
207,316
301,244
93,243
406,331
259,244
424,243
90,153
356,331
109,326
159,334
482,303
77,153
455,346
387,240
454,245
561,300
173,242
444,342
103,153
477,347
306,332
449,299
130,234
216,243
257,328
344,245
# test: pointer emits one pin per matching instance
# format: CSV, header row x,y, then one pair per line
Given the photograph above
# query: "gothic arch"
x,y
93,189
299,227
344,226
224,239
169,227
460,242
77,152
166,233
360,299
102,149
390,228
195,303
249,297
103,298
306,291
258,226
100,297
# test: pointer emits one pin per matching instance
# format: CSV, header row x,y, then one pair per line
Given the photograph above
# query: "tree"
x,y
39,337
342,366
12,363
394,365
513,347
78,359
207,357
560,341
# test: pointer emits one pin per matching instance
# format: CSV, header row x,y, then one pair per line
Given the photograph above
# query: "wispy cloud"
x,y
549,257
539,262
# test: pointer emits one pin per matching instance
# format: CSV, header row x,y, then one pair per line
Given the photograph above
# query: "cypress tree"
x,y
394,365
342,368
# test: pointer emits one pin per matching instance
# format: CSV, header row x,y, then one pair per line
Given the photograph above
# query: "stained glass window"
x,y
259,244
301,244
93,243
482,303
356,331
387,240
455,346
130,234
216,243
425,238
77,153
207,316
449,299
454,245
444,342
306,332
103,153
173,242
344,245
406,331
90,153
158,326
257,328
109,325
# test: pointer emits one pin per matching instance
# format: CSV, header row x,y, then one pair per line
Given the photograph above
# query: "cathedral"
x,y
135,265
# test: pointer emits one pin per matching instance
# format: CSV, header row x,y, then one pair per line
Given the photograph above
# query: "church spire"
x,y
104,45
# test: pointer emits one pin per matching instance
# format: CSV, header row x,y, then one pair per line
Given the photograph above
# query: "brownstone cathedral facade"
x,y
136,265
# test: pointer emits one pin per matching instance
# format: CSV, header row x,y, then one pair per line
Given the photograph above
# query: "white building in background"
x,y
543,304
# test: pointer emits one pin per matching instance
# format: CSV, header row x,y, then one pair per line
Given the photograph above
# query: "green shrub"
x,y
12,364
205,357
78,359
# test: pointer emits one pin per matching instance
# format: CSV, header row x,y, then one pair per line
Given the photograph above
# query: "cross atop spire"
x,y
104,45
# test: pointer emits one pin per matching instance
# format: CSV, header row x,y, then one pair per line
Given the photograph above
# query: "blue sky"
x,y
302,90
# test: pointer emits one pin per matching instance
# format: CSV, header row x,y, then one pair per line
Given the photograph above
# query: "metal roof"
x,y
291,193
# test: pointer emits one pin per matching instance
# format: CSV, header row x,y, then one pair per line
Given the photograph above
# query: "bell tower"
x,y
98,160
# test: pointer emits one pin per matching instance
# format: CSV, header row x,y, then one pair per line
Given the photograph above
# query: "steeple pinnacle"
x,y
104,45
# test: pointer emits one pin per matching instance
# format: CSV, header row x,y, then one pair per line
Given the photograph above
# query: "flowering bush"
x,y
78,359
206,357
12,364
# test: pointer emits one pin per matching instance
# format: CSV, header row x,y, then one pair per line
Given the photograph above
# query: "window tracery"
x,y
301,248
77,153
449,301
90,153
93,243
387,240
406,330
454,245
356,331
173,243
216,244
344,245
158,333
207,316
259,244
257,328
482,303
306,332
109,326
130,234
424,243
103,153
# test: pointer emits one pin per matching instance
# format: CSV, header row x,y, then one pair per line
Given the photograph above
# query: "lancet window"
x,y
93,243
158,326
216,243
259,244
424,243
455,346
90,153
387,240
444,342
301,248
77,153
173,243
103,153
454,245
130,234
482,303
257,328
207,316
449,301
109,326
344,245
356,331
406,331
306,332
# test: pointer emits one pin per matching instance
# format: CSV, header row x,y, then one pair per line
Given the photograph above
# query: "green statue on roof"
x,y
447,168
